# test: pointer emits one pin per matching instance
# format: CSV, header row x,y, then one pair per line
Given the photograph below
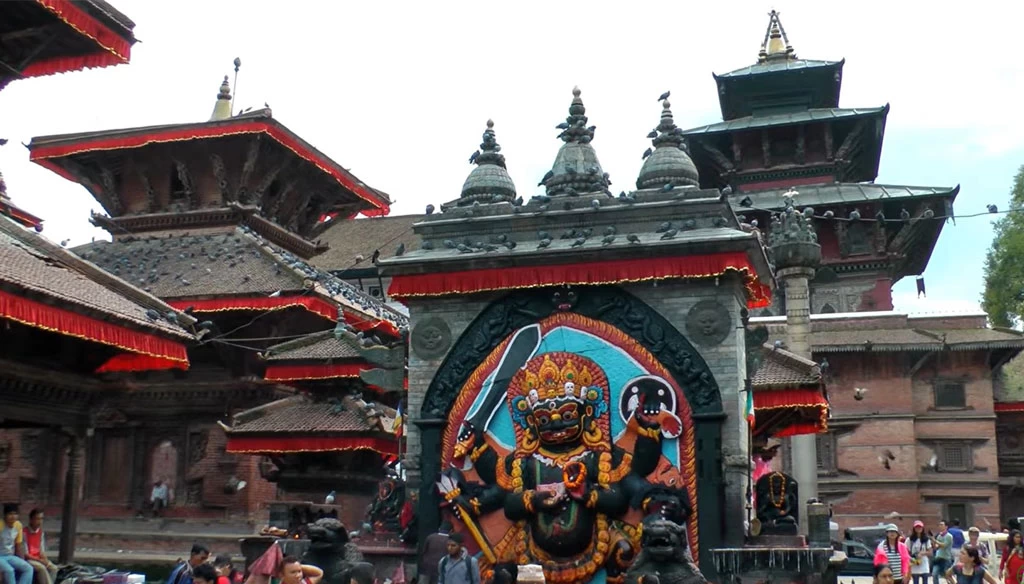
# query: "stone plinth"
x,y
785,563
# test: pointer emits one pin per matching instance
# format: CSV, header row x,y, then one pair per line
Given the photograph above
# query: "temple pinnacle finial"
x,y
776,44
489,182
222,109
668,162
576,169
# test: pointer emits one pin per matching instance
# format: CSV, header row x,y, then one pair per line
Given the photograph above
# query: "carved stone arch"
x,y
620,309
827,308
608,304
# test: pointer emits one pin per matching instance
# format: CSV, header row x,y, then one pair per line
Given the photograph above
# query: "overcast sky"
x,y
399,92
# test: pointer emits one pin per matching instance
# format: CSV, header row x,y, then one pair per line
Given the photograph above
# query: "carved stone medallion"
x,y
431,338
708,323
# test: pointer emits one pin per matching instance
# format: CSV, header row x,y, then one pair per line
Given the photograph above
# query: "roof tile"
x,y
361,237
31,263
302,414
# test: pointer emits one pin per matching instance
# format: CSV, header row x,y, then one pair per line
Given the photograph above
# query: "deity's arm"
x,y
647,449
611,500
490,499
485,462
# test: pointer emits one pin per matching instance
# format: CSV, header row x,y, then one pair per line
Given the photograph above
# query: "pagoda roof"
x,y
843,194
349,240
56,152
62,284
44,37
896,332
237,264
316,347
780,66
781,369
757,121
302,424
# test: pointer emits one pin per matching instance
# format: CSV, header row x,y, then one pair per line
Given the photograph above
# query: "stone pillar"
x,y
803,448
69,513
797,255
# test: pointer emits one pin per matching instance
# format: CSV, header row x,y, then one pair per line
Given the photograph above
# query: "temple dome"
x,y
489,182
576,169
668,162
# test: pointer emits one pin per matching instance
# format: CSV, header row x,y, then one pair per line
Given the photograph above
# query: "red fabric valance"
x,y
313,304
314,371
292,444
111,48
699,266
136,362
72,324
1008,407
803,403
264,303
41,155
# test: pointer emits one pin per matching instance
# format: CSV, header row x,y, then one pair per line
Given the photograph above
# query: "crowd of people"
x,y
23,549
950,554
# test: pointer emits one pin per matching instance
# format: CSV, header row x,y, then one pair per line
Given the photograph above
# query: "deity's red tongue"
x,y
671,425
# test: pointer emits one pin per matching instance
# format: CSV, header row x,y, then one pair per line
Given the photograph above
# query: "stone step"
x,y
178,544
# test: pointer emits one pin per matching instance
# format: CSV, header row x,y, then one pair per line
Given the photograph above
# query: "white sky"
x,y
399,92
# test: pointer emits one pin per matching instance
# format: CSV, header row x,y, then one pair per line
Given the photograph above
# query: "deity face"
x,y
432,337
558,421
564,299
707,322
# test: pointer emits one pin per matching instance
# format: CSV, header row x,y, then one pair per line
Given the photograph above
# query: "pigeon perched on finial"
x,y
664,96
647,153
400,249
474,156
430,209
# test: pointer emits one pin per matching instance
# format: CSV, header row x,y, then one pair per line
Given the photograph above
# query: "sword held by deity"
x,y
450,490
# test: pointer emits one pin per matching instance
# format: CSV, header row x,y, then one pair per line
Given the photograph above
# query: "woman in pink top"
x,y
894,553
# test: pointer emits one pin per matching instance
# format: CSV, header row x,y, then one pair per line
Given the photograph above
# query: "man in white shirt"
x,y
158,498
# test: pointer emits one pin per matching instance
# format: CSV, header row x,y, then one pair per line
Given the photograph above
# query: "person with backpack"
x,y
458,567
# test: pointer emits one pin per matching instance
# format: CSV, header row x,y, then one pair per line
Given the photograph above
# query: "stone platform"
x,y
756,563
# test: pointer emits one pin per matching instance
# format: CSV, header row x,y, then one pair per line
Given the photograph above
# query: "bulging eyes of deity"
x,y
558,422
564,299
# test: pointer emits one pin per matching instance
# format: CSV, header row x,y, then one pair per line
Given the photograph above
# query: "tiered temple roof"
x,y
43,37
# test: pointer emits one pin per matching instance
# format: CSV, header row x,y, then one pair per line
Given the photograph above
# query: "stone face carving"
x,y
431,338
708,323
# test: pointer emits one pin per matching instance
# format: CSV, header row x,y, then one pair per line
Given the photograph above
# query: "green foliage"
x,y
1004,265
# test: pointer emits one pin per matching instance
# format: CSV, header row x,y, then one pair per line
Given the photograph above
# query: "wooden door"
x,y
116,460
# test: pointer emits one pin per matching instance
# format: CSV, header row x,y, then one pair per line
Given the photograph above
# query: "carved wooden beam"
x,y
275,205
251,156
291,215
766,148
185,177
844,243
801,145
737,150
829,155
851,140
113,200
266,181
720,159
147,185
220,172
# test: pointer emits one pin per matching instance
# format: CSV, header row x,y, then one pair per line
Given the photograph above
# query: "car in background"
x,y
860,559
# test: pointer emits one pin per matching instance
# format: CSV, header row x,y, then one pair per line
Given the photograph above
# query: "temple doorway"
x,y
163,466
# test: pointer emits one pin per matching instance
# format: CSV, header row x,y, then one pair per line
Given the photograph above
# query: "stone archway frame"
x,y
618,308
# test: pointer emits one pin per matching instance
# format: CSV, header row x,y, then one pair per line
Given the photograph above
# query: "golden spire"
x,y
776,44
222,109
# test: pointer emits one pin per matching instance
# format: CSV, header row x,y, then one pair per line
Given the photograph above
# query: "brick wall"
x,y
27,478
898,416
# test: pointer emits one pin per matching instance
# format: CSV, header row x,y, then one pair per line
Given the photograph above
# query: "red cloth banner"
x,y
63,321
112,49
315,371
290,444
1008,407
685,267
313,304
235,127
796,400
266,303
136,362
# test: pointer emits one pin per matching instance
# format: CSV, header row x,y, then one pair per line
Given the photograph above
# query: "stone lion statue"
x,y
663,558
331,551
